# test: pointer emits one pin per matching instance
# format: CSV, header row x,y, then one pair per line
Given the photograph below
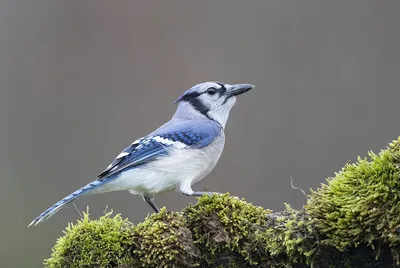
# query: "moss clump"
x,y
290,237
163,240
351,221
222,224
93,243
360,205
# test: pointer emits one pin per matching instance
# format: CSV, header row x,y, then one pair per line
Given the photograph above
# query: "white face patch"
x,y
212,100
218,106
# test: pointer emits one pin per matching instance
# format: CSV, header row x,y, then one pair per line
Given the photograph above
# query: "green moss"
x,y
219,231
223,224
290,237
249,236
93,243
163,240
348,222
360,205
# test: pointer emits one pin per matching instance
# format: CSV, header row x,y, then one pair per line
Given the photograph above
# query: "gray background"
x,y
80,80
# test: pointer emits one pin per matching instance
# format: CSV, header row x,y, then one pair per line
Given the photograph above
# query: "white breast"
x,y
180,167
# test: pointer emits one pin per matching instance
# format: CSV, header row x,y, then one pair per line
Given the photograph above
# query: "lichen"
x,y
93,243
360,204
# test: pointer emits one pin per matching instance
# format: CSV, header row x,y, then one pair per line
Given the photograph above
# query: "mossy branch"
x,y
351,221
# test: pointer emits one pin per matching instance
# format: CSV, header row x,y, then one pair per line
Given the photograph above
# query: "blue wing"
x,y
139,152
150,148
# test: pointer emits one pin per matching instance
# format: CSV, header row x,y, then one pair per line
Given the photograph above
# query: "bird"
x,y
173,157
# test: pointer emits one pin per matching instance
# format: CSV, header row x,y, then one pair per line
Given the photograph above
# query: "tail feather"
x,y
60,204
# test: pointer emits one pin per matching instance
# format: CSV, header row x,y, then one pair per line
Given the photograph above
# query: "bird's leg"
x,y
150,200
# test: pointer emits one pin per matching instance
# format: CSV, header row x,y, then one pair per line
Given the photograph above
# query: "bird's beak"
x,y
238,89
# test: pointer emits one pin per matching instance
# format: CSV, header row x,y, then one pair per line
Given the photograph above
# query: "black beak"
x,y
238,89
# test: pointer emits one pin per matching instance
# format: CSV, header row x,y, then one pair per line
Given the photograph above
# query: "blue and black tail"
x,y
60,204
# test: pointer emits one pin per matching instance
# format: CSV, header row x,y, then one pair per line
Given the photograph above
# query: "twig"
x,y
295,187
80,214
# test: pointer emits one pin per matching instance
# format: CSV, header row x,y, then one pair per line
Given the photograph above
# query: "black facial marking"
x,y
221,90
190,96
193,95
227,98
199,106
195,102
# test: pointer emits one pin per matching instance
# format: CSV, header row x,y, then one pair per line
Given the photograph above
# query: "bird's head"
x,y
213,100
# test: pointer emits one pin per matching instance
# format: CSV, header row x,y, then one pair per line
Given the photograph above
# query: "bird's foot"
x,y
199,193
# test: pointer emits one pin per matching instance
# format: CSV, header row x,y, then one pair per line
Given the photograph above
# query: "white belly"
x,y
181,166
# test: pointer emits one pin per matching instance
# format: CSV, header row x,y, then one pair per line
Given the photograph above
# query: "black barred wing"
x,y
139,152
149,148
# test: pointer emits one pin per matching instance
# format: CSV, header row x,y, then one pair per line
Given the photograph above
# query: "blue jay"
x,y
174,156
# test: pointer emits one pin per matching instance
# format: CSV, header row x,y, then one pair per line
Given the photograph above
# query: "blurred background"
x,y
81,80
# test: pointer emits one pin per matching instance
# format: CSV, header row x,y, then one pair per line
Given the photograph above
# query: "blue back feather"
x,y
186,134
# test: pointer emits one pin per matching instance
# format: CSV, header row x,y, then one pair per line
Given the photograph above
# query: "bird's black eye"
x,y
211,91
